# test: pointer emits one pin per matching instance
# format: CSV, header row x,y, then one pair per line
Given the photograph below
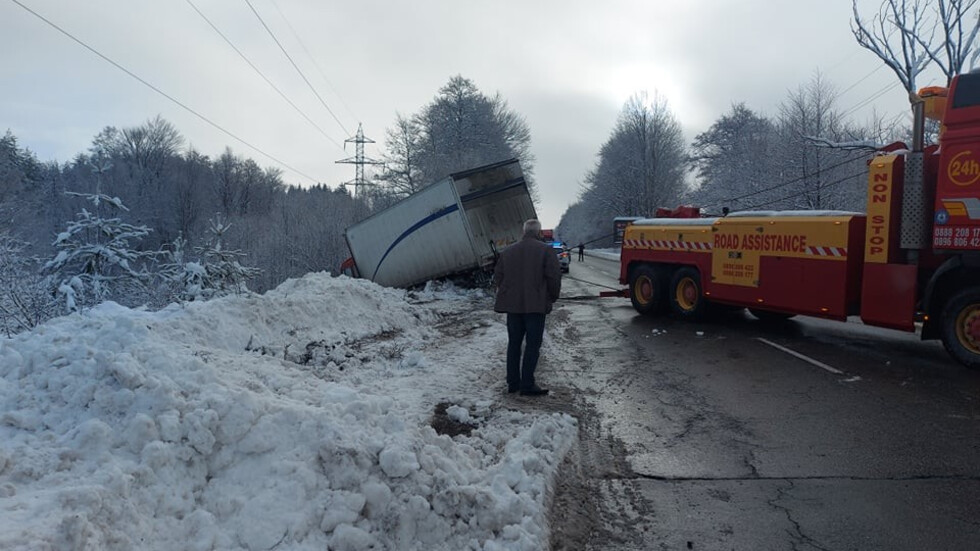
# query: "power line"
x,y
789,182
306,80
845,59
869,99
862,79
252,65
860,104
795,195
316,64
159,91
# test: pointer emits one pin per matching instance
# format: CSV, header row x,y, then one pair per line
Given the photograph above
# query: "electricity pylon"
x,y
358,160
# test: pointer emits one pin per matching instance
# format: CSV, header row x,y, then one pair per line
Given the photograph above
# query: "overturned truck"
x,y
453,227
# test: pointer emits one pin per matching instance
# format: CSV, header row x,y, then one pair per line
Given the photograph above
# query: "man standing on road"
x,y
528,281
581,251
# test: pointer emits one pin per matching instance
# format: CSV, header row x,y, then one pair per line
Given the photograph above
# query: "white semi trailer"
x,y
455,226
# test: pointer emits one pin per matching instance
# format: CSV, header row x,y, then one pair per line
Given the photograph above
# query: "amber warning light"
x,y
934,98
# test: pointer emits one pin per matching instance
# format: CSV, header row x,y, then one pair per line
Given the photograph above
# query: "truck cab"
x,y
951,296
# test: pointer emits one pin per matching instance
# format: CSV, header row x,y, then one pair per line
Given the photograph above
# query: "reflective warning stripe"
x,y
656,244
826,251
838,252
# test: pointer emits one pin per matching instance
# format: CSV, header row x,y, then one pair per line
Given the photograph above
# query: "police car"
x,y
564,259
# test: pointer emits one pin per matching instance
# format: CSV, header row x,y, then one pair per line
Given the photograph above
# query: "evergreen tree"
x,y
223,274
95,259
182,279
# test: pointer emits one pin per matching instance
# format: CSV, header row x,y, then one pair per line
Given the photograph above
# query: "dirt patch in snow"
x,y
444,424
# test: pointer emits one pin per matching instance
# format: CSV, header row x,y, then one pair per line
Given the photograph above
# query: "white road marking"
x,y
966,417
805,358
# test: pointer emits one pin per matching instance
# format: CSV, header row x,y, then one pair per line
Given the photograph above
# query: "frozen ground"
x,y
325,414
608,254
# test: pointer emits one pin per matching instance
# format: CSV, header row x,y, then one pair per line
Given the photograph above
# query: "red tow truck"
x,y
913,258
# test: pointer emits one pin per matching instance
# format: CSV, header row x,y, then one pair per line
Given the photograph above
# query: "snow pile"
x,y
606,254
262,422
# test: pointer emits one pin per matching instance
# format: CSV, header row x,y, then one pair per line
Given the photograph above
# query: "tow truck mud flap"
x,y
888,296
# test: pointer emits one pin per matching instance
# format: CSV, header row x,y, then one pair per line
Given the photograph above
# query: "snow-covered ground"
x,y
298,419
608,254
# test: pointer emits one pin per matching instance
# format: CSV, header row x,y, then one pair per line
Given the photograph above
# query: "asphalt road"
x,y
704,436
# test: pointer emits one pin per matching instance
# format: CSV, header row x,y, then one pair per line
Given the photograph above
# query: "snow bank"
x,y
262,422
607,254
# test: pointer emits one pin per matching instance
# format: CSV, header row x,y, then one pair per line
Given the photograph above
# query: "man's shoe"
x,y
512,389
534,391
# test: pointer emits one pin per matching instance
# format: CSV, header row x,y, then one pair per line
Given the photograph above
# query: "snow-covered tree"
x,y
456,127
516,136
460,129
735,160
189,194
225,181
958,43
402,158
181,278
284,231
11,167
641,166
583,223
810,176
20,175
313,222
25,299
147,149
223,274
900,34
96,259
910,35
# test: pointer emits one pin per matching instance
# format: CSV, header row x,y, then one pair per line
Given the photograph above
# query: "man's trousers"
x,y
521,327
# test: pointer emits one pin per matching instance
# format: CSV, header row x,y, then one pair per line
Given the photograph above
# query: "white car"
x,y
564,259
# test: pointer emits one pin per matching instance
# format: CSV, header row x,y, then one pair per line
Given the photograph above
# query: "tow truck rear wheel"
x,y
961,327
686,296
647,290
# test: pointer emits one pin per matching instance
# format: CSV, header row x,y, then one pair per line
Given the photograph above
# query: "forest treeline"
x,y
809,155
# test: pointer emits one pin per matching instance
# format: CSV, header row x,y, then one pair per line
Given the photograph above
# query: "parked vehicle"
x,y
455,226
564,259
619,226
913,257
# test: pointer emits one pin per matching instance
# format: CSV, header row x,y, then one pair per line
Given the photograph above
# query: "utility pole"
x,y
358,160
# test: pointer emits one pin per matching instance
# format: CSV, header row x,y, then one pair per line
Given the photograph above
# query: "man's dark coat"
x,y
528,278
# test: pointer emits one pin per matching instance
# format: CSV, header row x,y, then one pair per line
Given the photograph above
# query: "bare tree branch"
x,y
897,35
857,145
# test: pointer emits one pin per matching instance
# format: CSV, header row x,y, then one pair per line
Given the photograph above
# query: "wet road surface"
x,y
703,436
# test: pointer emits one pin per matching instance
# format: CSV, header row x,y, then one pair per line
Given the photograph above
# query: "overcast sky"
x,y
567,66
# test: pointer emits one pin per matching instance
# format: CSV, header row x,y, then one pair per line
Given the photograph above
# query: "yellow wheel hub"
x,y
643,290
968,328
687,294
